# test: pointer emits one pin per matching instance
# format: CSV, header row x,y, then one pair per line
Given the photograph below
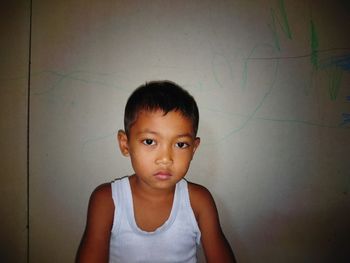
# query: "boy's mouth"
x,y
162,175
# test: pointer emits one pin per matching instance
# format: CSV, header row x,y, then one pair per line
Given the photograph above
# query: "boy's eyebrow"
x,y
185,135
147,131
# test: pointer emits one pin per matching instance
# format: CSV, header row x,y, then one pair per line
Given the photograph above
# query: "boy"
x,y
155,215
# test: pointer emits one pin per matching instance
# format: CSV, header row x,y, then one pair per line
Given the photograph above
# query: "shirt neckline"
x,y
131,215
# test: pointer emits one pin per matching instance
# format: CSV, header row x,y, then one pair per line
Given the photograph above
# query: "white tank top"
x,y
175,241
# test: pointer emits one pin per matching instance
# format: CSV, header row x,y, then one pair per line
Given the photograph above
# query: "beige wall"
x,y
271,91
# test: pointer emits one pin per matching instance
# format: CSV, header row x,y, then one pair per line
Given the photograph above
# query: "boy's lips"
x,y
163,175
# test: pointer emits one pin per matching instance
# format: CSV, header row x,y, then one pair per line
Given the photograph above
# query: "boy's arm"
x,y
94,246
216,246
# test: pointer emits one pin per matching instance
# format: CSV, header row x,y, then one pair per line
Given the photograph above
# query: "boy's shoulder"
x,y
102,196
103,191
200,198
197,190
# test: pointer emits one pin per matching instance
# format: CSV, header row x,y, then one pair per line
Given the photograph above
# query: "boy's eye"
x,y
149,142
182,145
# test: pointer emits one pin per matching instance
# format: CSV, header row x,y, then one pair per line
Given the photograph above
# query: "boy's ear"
x,y
123,142
197,141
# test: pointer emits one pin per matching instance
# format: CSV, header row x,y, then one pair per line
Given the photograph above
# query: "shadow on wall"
x,y
204,170
306,236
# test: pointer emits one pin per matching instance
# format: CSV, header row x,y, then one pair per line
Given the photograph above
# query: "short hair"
x,y
160,95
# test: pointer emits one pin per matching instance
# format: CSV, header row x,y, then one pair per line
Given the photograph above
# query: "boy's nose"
x,y
165,156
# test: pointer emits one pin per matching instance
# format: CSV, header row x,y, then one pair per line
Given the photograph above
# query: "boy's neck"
x,y
141,189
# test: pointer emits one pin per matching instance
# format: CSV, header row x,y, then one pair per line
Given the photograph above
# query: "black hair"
x,y
160,95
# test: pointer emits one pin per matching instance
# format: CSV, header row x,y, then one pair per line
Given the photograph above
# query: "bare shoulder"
x,y
197,190
95,242
201,199
101,203
216,247
102,194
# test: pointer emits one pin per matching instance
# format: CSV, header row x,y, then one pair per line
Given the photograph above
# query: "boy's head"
x,y
160,95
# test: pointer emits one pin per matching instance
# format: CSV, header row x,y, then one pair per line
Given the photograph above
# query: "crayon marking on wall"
x,y
334,82
284,24
346,118
343,62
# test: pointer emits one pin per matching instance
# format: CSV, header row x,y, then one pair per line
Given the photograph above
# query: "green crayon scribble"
x,y
245,70
314,46
334,82
251,116
284,24
247,60
228,64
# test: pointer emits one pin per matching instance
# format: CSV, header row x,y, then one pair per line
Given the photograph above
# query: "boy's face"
x,y
160,146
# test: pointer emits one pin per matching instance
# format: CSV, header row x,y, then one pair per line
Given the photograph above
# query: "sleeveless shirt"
x,y
175,241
